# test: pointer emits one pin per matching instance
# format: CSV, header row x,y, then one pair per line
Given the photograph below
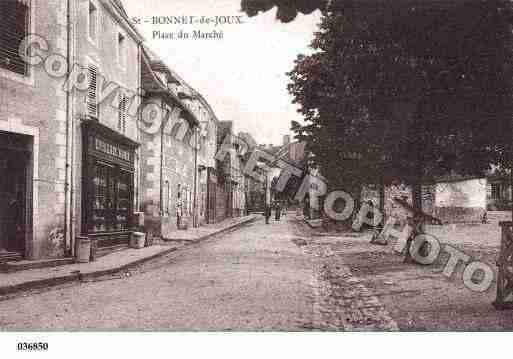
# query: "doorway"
x,y
13,196
15,157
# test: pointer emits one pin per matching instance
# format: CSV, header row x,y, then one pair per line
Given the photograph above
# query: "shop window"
x,y
124,201
112,189
14,26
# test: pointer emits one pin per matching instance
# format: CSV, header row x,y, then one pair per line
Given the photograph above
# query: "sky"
x,y
243,75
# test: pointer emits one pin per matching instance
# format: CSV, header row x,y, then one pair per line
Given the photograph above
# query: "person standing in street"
x,y
178,211
277,207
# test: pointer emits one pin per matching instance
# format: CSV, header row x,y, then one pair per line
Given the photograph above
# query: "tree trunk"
x,y
417,202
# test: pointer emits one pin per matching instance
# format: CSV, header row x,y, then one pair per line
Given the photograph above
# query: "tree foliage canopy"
x,y
408,90
287,9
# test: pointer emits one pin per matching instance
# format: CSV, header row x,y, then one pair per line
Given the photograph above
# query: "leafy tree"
x,y
404,90
287,9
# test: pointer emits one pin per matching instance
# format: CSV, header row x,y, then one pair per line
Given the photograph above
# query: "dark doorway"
x,y
13,197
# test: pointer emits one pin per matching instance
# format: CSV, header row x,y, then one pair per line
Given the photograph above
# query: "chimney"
x,y
286,140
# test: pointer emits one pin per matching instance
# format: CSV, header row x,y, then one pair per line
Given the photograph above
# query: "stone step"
x,y
6,257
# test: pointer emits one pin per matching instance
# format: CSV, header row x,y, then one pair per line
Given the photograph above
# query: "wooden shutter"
x,y
14,22
92,98
122,113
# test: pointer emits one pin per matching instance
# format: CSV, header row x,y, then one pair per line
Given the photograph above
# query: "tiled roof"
x,y
119,4
152,83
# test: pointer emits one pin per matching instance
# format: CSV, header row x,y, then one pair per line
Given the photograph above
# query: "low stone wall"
x,y
447,214
459,214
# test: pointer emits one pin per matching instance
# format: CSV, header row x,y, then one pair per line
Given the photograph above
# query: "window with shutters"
x,y
93,21
122,113
14,26
92,94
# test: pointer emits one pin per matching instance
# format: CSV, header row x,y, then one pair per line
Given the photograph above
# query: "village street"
x,y
254,278
281,276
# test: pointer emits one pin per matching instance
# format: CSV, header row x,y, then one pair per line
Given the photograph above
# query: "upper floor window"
x,y
93,21
121,50
14,26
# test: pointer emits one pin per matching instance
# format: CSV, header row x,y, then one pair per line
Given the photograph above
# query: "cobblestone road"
x,y
260,277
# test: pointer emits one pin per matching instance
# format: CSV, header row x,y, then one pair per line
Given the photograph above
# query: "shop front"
x,y
108,185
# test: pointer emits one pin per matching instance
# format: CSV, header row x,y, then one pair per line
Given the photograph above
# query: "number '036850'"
x,y
32,346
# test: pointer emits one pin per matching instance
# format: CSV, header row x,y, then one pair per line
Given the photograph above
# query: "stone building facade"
x,y
228,180
175,159
72,140
168,153
62,130
33,150
104,122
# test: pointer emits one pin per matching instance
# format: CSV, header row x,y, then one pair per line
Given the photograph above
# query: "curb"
x,y
79,276
37,284
102,272
207,236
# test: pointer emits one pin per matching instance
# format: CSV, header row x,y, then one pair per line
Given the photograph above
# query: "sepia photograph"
x,y
289,172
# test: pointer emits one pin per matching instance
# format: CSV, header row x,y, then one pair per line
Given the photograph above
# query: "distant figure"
x,y
484,219
371,215
306,208
178,211
278,210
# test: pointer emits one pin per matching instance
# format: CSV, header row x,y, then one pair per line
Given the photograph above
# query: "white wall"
x,y
469,193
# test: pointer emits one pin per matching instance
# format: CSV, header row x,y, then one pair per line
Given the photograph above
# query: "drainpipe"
x,y
207,202
138,151
161,209
69,148
72,171
194,205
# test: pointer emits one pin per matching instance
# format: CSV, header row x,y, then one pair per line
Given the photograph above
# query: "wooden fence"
x,y
504,298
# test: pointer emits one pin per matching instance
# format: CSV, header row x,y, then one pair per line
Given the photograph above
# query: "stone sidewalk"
x,y
111,263
195,234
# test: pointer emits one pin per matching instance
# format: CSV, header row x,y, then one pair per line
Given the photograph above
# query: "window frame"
x,y
90,63
28,77
121,46
95,40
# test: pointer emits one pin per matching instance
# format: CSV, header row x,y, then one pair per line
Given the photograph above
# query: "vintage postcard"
x,y
291,166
